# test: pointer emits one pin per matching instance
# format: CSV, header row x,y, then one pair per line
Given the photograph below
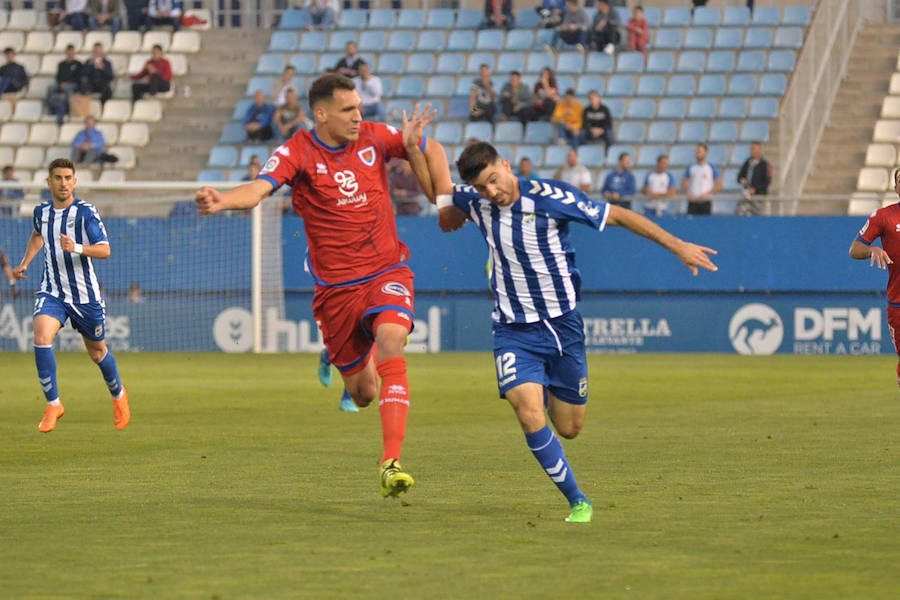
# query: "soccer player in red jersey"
x,y
884,223
364,288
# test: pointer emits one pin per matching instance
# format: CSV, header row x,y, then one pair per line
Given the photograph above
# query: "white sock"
x,y
54,402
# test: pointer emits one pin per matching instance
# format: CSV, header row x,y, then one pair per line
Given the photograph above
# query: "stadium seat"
x,y
152,38
681,85
186,42
233,133
733,108
382,18
490,40
440,87
887,131
570,62
451,64
653,14
751,61
147,111
532,152
591,155
682,155
410,19
796,16
28,110
22,19
112,176
469,18
401,41
508,132
692,132
894,88
313,41
214,175
12,39
781,61
5,110
410,87
537,61
720,62
863,204
660,62
739,154
691,62
630,62
555,156
677,16
258,82
661,132
870,179
37,42
476,59
67,133
735,16
698,39
29,157
480,130
38,86
613,152
772,84
328,60
651,85
717,154
134,134
742,85
222,157
538,132
240,109
431,41
788,37
527,18
620,86
565,82
706,16
440,18
765,16
283,41
758,38
647,155
352,18
754,131
667,39
47,64
270,64
630,132
641,109
881,155
13,134
587,83
421,63
463,86
43,134
671,108
763,108
387,84
511,61
723,132
702,108
890,108
337,41
247,152
391,64
460,40
372,41
293,19
711,85
599,62
520,39
304,64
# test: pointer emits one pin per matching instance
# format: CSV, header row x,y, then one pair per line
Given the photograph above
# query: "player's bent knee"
x,y
569,430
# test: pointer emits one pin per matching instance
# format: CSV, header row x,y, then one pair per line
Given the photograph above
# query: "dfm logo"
x,y
347,181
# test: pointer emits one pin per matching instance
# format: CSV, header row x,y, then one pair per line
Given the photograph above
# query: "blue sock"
x,y
46,368
111,374
549,452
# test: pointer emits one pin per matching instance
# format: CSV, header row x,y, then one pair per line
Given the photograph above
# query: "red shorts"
x,y
893,319
345,315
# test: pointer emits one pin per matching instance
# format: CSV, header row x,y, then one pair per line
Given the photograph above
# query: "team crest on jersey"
x,y
395,289
582,387
270,165
367,155
98,331
528,219
70,222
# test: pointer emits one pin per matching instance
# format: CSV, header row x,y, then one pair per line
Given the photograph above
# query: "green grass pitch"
x,y
711,476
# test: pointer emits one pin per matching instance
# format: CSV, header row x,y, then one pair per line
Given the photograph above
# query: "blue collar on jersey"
x,y
326,146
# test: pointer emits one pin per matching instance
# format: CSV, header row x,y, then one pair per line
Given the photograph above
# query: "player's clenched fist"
x,y
208,200
451,218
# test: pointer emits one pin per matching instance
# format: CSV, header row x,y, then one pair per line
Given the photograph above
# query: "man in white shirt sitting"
x,y
574,173
370,91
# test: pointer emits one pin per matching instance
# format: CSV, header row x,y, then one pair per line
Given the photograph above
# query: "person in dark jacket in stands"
x,y
13,78
68,81
598,122
755,176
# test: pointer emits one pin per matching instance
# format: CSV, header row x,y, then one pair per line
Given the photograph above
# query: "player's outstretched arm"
x,y
413,130
35,243
210,200
692,255
93,250
875,254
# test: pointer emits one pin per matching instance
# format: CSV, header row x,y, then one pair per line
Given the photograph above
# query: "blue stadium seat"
x,y
233,175
511,61
730,181
391,64
431,41
328,60
520,39
739,154
733,108
788,37
706,16
782,61
451,63
651,85
542,37
508,132
248,152
538,132
702,108
765,16
720,62
505,151
352,18
480,130
677,17
616,107
240,109
613,152
667,39
469,18
591,155
387,83
692,132
304,64
660,62
283,41
586,83
653,15
751,61
270,64
763,108
476,59
401,41
728,39
671,108
681,85
534,153
258,82
723,132
630,62
758,38
641,109
565,82
395,108
598,62
410,19
337,41
526,18
691,62
631,132
647,156
410,87
491,40
623,11
681,155
372,41
294,19
233,133
555,156
441,87
620,85
382,18
570,62
210,175
735,16
537,61
698,39
772,84
796,15
448,132
717,154
313,41
461,40
439,18
711,85
463,86
459,108
222,157
661,132
754,131
741,85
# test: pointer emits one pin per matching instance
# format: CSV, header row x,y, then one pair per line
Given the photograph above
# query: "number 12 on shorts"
x,y
506,367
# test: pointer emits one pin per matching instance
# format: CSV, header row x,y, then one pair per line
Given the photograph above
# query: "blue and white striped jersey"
x,y
69,277
534,275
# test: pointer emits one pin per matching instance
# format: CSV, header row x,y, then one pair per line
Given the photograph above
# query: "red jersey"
x,y
885,224
344,199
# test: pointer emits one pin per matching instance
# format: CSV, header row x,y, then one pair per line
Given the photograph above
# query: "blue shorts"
x,y
87,319
549,352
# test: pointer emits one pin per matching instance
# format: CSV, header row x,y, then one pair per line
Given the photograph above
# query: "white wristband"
x,y
79,249
444,200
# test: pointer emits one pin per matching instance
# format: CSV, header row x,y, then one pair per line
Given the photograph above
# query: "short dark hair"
x,y
623,155
570,92
70,47
7,169
704,146
475,159
60,163
661,156
515,73
157,47
9,49
323,88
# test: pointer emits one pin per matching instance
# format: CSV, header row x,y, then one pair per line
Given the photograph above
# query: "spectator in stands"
x,y
659,185
574,27
280,86
158,72
370,91
638,31
10,194
605,30
68,81
482,97
258,119
322,13
135,294
700,183
164,12
574,173
405,191
755,176
88,144
13,78
75,15
569,117
515,99
552,12
290,116
546,95
105,13
526,169
619,187
597,122
136,13
349,64
97,74
253,168
498,13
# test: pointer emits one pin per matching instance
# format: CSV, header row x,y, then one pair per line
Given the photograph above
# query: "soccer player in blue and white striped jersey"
x,y
71,233
538,332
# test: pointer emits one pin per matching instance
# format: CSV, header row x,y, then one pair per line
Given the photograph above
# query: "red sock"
x,y
393,404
